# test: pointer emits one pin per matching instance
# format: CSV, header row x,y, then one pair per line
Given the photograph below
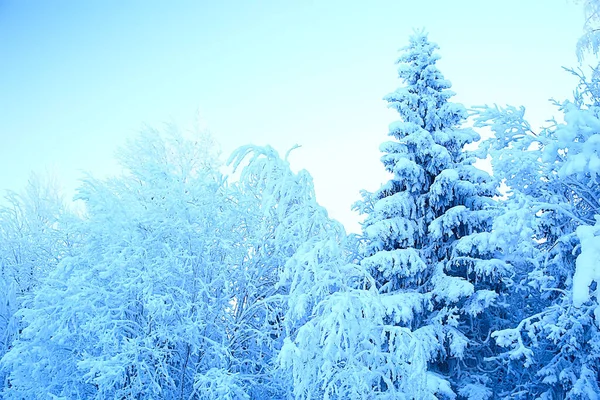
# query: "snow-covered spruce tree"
x,y
427,236
554,350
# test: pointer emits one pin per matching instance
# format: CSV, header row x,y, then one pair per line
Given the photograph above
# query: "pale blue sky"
x,y
79,77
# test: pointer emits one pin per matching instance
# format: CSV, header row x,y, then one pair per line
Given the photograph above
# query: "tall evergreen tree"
x,y
427,233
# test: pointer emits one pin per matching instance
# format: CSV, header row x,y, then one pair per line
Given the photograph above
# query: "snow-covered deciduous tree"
x,y
181,284
331,333
137,310
428,241
282,225
34,237
553,350
589,42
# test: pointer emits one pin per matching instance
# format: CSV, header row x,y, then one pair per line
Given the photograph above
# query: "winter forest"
x,y
177,280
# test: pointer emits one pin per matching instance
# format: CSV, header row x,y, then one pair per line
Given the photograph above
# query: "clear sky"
x,y
79,77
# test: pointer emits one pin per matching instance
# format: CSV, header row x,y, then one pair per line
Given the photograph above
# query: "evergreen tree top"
x,y
423,101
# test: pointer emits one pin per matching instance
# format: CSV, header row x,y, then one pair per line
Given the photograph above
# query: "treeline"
x,y
179,282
